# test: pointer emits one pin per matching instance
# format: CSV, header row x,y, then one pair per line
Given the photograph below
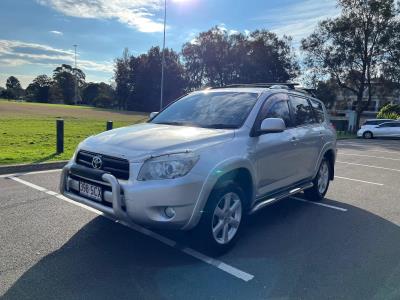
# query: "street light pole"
x,y
163,57
76,80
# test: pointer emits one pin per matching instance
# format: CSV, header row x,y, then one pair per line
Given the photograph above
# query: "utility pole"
x,y
76,79
163,57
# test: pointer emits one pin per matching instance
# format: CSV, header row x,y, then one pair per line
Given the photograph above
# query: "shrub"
x,y
390,111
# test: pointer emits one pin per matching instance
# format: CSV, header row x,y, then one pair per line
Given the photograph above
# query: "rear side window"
x,y
302,111
280,110
390,125
318,110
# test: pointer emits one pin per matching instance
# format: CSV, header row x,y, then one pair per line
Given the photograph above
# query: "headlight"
x,y
168,166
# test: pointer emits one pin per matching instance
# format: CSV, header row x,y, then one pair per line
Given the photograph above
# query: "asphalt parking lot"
x,y
346,248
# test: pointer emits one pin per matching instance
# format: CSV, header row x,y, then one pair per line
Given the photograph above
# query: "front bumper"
x,y
135,201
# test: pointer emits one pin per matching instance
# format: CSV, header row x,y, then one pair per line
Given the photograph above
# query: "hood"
x,y
138,142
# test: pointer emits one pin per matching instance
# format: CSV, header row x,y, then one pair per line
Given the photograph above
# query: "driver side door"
x,y
275,153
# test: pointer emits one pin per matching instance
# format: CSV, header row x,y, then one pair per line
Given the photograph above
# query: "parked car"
x,y
386,128
207,161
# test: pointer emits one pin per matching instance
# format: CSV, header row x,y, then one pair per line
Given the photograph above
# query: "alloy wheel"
x,y
226,218
323,177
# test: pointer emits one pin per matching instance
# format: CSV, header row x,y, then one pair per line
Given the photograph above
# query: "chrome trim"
x,y
115,195
92,180
262,204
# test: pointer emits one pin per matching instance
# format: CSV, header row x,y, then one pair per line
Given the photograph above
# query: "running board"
x,y
263,203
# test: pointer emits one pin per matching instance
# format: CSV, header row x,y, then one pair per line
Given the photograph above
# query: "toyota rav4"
x,y
208,161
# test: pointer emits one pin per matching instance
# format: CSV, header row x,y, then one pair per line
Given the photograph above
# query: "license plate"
x,y
91,191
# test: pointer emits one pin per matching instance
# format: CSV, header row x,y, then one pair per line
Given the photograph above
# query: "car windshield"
x,y
209,109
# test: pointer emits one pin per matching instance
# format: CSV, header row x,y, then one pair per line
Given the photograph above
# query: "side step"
x,y
263,203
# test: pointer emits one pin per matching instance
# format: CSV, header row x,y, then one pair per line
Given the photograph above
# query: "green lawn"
x,y
28,130
342,135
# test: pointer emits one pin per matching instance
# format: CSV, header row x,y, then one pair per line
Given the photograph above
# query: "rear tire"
x,y
368,135
222,218
321,182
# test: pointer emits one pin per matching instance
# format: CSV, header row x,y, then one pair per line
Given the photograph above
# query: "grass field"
x,y
28,130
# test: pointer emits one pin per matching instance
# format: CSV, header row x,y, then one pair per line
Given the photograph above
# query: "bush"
x,y
390,111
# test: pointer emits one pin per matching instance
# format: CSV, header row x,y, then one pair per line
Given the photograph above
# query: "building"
x,y
343,114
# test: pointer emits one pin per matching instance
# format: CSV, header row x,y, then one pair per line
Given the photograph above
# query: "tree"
x,y
67,84
122,79
390,111
325,91
14,89
138,79
351,47
218,58
98,94
39,89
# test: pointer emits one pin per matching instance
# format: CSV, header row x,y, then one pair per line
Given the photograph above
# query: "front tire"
x,y
321,182
222,218
368,135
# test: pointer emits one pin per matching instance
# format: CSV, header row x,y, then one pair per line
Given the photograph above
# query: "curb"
x,y
10,169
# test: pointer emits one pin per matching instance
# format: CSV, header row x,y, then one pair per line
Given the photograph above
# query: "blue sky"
x,y
37,35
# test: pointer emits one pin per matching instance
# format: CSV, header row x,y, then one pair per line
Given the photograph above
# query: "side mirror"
x,y
272,125
153,114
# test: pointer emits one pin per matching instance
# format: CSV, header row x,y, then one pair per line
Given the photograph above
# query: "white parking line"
x,y
30,173
191,252
320,204
371,156
358,180
368,166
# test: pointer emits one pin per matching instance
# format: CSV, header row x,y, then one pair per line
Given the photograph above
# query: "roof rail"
x,y
262,85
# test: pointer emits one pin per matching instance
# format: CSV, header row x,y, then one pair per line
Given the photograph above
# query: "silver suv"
x,y
208,161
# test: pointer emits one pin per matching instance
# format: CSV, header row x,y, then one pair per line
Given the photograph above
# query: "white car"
x,y
384,129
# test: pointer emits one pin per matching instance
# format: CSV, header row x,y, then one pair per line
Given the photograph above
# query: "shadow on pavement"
x,y
295,250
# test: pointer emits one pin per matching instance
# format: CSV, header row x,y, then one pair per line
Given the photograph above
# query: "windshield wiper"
x,y
220,126
172,123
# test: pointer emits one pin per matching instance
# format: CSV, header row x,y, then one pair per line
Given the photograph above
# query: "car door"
x,y
308,133
396,130
274,153
383,130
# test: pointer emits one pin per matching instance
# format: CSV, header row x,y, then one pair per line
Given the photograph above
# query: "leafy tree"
x,y
138,79
122,79
14,89
39,89
325,91
351,47
98,94
67,84
218,58
390,111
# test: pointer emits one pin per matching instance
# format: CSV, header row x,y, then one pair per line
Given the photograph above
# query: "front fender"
x,y
212,178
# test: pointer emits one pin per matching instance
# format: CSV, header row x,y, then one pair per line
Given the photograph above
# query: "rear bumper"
x,y
139,202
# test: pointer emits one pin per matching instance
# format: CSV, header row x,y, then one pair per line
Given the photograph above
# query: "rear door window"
x,y
302,111
318,110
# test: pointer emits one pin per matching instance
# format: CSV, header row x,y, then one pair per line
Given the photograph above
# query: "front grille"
x,y
116,166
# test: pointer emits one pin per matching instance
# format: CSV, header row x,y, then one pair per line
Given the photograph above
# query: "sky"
x,y
38,35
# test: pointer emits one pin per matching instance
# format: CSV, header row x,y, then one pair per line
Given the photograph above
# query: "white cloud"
x,y
18,53
139,14
298,20
56,32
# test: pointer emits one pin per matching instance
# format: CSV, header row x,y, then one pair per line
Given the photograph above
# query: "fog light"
x,y
169,212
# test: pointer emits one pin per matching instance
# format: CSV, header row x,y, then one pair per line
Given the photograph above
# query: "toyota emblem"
x,y
97,162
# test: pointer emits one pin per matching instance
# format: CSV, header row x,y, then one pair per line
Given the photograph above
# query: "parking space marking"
x,y
29,173
189,251
358,180
319,204
368,166
370,156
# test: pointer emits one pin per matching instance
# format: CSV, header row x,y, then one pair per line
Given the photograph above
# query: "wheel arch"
x,y
232,169
330,156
